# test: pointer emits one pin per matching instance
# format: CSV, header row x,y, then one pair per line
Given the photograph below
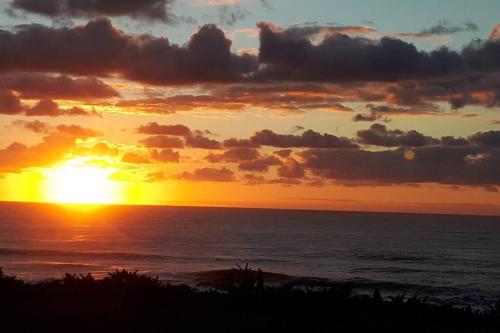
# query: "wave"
x,y
395,270
34,253
310,281
60,265
385,257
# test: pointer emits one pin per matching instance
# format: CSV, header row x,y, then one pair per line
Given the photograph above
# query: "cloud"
x,y
47,107
166,156
379,135
495,33
471,88
386,70
98,149
208,175
309,139
287,98
290,54
230,14
206,58
293,72
152,10
284,153
342,58
10,104
259,165
54,148
445,28
366,117
202,142
180,103
234,155
291,169
154,128
191,139
162,141
487,139
43,86
36,126
235,142
453,165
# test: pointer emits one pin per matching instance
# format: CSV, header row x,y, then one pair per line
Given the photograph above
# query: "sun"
x,y
79,182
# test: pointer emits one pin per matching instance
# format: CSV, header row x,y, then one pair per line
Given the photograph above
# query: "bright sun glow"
x,y
77,181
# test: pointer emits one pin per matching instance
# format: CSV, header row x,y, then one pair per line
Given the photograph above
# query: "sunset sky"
x,y
321,104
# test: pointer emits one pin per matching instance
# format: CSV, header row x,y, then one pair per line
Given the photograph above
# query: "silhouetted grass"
x,y
130,302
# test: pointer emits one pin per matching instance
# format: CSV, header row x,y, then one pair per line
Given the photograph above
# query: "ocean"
x,y
445,257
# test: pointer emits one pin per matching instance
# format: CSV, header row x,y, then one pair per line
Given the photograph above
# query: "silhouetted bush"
x,y
130,302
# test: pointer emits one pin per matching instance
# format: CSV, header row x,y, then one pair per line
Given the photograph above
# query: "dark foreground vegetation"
x,y
130,302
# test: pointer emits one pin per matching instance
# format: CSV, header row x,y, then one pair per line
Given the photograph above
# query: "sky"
x,y
325,104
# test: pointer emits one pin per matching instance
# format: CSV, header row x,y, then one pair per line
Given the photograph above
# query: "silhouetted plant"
x,y
377,297
127,301
131,279
74,279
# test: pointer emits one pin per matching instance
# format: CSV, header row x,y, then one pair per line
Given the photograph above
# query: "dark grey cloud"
x,y
308,138
445,28
416,80
471,88
284,153
47,107
235,142
291,169
453,141
167,136
152,10
285,55
202,142
379,135
44,86
342,58
154,128
487,139
259,165
454,165
234,155
206,58
10,104
366,117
